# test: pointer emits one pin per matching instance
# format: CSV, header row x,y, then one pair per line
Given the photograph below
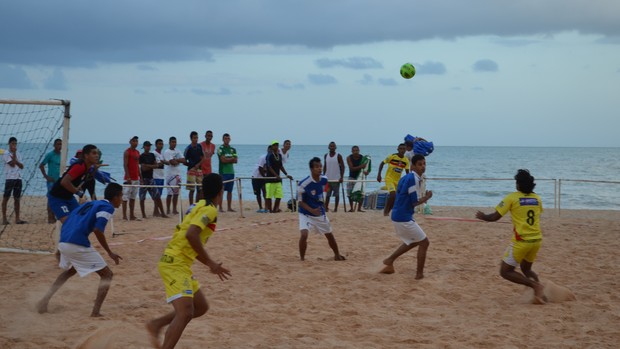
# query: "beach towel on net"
x,y
357,193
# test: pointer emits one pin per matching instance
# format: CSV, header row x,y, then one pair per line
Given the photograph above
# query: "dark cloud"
x,y
57,81
352,63
485,65
86,34
431,68
322,79
14,77
387,82
146,67
367,79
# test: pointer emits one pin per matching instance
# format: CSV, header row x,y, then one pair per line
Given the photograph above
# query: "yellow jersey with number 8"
x,y
525,210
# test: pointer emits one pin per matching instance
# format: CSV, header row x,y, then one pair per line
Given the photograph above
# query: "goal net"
x,y
35,125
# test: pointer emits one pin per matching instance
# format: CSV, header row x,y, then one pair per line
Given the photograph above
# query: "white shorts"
x,y
319,224
173,181
85,260
409,232
130,193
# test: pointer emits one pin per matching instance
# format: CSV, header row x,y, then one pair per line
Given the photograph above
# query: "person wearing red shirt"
x,y
131,164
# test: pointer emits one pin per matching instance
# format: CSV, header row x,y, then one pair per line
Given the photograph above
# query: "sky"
x,y
488,72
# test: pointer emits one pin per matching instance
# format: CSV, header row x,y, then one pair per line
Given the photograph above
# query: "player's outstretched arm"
x,y
193,237
491,217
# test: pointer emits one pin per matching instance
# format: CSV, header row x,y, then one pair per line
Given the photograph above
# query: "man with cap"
x,y
273,186
131,165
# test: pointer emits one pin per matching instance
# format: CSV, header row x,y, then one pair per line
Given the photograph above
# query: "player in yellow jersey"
x,y
525,208
397,164
187,245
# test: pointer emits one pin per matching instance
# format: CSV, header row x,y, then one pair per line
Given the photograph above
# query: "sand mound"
x,y
554,293
117,338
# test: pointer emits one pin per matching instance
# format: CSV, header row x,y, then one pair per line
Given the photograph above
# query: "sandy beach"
x,y
276,301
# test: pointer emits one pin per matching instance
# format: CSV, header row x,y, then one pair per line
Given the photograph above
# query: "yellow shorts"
x,y
391,186
194,179
521,250
177,277
273,190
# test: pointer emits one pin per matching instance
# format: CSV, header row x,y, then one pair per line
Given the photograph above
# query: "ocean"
x,y
574,178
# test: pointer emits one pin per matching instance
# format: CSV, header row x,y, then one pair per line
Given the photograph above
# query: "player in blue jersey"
x,y
402,217
76,253
312,209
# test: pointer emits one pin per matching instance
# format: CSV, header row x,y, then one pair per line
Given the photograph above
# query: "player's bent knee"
x,y
425,243
106,273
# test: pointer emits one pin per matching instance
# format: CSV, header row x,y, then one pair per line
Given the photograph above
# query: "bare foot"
x,y
222,211
42,307
96,315
164,216
231,210
419,276
539,294
387,269
339,258
153,334
175,213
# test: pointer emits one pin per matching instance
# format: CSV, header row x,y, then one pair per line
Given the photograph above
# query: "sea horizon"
x,y
458,175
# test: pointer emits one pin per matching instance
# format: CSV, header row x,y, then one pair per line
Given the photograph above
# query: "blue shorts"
x,y
152,191
61,207
49,186
159,181
228,186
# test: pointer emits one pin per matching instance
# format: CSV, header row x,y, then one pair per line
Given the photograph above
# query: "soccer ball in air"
x,y
407,71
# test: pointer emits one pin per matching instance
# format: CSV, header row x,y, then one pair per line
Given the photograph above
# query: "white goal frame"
x,y
54,231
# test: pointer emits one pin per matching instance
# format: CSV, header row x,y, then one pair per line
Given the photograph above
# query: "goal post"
x,y
36,124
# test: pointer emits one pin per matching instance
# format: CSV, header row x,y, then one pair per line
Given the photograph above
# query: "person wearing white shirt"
x,y
13,180
174,159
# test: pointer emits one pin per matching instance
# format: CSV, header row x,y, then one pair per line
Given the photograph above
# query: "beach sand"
x,y
276,301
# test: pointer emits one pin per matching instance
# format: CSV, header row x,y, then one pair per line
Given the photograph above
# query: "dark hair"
x,y
112,191
192,134
208,131
173,138
88,148
12,139
211,186
225,135
159,140
525,181
313,160
57,140
416,158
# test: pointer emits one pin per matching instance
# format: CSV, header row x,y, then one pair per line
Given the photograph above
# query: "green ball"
x,y
407,71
